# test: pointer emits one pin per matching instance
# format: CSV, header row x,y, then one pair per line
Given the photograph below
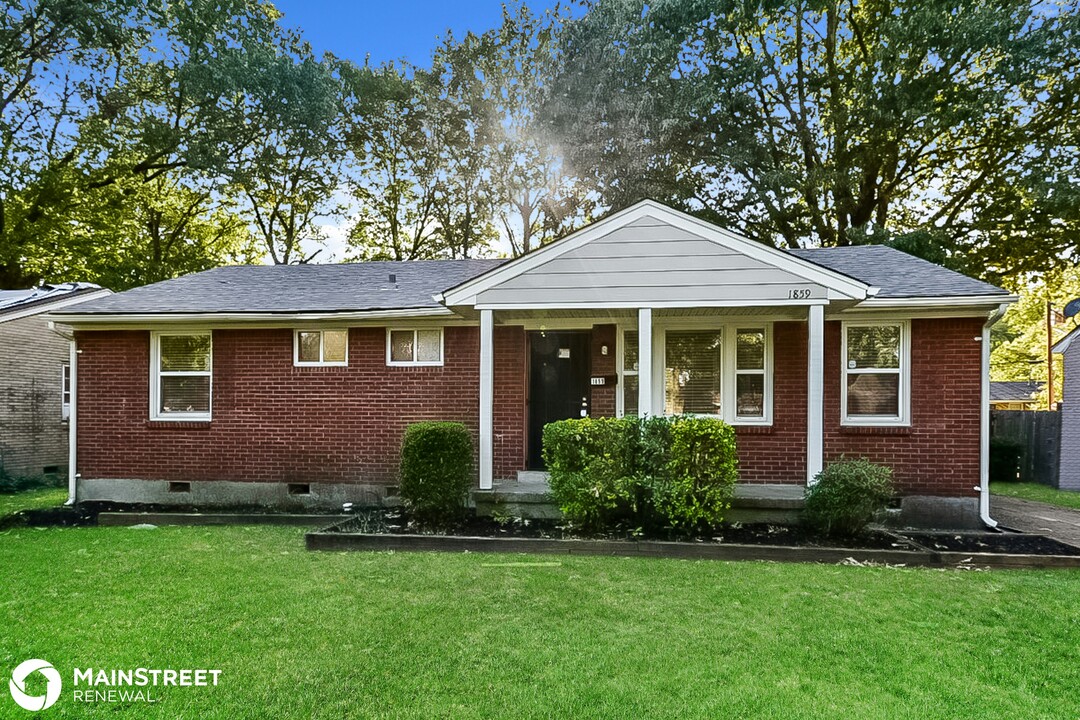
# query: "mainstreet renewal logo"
x,y
17,685
103,685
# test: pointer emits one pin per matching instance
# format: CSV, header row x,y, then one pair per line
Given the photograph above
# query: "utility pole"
x,y
1049,356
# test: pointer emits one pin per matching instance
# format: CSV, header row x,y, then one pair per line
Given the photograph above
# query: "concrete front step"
x,y
775,503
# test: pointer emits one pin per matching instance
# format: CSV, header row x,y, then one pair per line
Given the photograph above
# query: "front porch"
x,y
529,497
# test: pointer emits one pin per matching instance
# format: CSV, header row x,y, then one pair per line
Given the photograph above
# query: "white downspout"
x,y
984,421
72,418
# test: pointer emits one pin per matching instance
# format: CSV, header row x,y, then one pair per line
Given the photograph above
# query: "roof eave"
x,y
159,318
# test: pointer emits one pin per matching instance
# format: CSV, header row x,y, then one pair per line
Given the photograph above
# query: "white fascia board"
x,y
87,320
1063,344
47,308
944,301
628,304
465,294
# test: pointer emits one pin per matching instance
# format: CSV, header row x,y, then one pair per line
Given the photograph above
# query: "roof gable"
x,y
652,254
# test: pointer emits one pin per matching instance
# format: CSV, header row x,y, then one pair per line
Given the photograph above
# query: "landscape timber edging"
x,y
327,539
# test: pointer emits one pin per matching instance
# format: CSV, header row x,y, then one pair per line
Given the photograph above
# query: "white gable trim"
x,y
838,285
1064,343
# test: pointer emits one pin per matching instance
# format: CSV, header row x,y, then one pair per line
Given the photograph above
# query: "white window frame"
x,y
65,392
620,370
414,362
156,375
904,371
297,362
728,371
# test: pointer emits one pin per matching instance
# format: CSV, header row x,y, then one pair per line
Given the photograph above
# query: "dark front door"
x,y
558,383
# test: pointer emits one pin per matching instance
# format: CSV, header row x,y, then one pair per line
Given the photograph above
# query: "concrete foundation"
x,y
940,513
230,494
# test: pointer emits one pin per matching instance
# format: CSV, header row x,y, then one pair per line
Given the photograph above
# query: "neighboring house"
x,y
282,385
35,381
1069,469
1014,395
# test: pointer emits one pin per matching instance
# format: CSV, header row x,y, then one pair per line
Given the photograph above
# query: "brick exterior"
x,y
33,434
277,423
1069,474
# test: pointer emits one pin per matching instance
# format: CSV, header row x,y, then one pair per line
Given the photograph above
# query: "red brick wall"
x,y
602,397
279,423
274,422
939,453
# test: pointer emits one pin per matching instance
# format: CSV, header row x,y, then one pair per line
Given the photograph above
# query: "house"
x,y
293,385
1069,468
1008,395
35,380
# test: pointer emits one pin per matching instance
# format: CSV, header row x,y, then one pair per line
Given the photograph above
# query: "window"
x,y
874,387
629,380
693,365
414,347
320,347
750,379
65,391
180,376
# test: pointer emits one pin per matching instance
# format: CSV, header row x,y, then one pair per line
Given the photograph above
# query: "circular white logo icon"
x,y
17,685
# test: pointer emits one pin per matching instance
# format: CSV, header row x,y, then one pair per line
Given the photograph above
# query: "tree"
x,y
396,165
836,122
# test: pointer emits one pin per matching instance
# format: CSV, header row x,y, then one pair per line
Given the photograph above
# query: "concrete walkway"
x,y
1057,522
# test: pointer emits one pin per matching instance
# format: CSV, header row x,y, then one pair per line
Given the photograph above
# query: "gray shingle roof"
x,y
296,288
355,287
1003,391
896,273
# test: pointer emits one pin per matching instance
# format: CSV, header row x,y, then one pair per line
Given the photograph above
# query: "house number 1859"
x,y
799,294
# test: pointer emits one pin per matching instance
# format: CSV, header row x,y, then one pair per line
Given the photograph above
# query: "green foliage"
x,y
829,123
436,470
633,473
846,496
701,474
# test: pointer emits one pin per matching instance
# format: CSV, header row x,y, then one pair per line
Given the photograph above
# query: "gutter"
x,y
72,423
984,420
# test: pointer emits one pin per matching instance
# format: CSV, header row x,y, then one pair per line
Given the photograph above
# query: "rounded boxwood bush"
x,y
436,471
846,496
702,470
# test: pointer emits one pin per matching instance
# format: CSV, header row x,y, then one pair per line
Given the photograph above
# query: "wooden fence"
x,y
1037,436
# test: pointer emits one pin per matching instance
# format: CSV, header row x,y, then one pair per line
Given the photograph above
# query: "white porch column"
x,y
815,393
487,396
645,364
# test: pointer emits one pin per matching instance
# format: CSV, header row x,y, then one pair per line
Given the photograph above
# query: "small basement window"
x,y
415,347
299,488
179,487
325,348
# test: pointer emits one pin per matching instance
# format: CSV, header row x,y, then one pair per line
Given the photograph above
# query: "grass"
x,y
32,500
384,635
1039,493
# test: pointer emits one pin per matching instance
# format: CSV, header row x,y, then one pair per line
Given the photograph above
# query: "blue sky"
x,y
387,29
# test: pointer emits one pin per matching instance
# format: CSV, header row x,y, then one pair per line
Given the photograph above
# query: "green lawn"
x,y
32,499
1041,493
356,635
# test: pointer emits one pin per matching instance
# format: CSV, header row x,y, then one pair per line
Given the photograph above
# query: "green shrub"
x,y
590,463
701,473
846,496
607,473
436,471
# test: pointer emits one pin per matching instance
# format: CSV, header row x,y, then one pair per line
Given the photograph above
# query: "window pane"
x,y
873,347
308,349
428,345
185,352
185,394
692,371
873,394
750,395
630,351
750,350
401,345
334,345
630,395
